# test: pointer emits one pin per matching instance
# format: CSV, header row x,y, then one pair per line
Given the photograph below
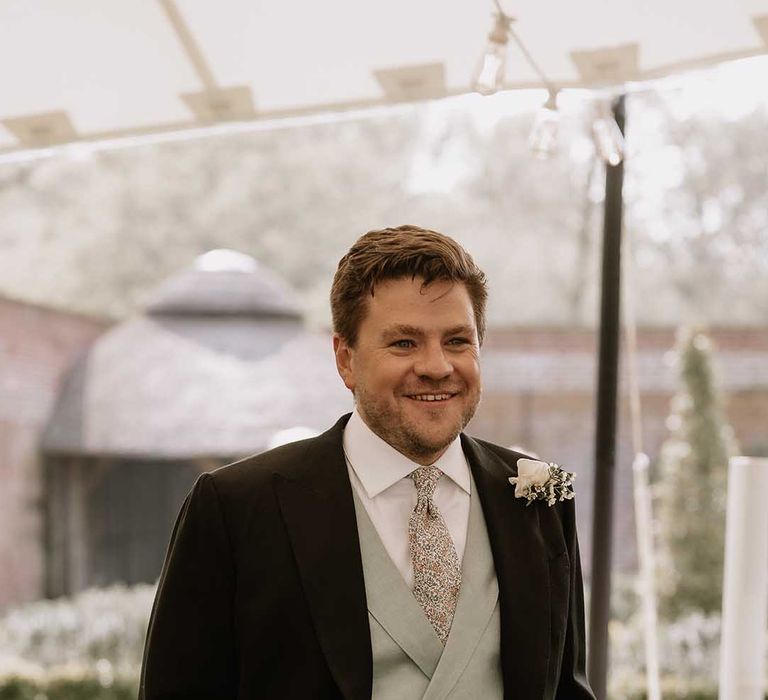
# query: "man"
x,y
389,557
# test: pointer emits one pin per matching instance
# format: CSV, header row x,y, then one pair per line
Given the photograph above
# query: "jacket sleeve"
x,y
573,683
190,647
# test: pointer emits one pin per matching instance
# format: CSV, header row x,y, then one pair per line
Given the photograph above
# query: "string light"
x,y
490,78
543,138
490,74
609,140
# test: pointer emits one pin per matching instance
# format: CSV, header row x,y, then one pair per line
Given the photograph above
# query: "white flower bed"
x,y
99,629
689,653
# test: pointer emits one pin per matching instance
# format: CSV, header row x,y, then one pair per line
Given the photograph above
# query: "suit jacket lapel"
x,y
520,558
318,511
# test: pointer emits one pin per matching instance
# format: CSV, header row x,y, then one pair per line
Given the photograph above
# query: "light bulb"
x,y
490,74
608,137
543,138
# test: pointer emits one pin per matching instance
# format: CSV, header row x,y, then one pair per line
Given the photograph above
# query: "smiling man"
x,y
388,558
414,366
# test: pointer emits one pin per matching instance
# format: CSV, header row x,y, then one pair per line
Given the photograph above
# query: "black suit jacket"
x,y
262,592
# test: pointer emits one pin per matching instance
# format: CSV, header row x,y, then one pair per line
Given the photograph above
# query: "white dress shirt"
x,y
380,477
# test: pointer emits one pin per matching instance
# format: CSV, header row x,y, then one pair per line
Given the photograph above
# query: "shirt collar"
x,y
378,465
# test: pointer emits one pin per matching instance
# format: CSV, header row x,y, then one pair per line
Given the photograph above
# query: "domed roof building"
x,y
218,366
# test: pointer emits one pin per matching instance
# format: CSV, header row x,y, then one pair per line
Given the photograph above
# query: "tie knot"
x,y
426,479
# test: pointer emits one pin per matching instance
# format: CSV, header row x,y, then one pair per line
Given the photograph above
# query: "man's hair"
x,y
396,253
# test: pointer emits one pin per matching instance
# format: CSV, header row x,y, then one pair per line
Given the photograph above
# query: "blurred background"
x,y
164,310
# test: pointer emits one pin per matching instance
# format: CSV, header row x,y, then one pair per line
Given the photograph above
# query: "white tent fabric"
x,y
86,70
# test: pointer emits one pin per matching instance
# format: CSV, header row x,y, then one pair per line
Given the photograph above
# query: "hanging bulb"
x,y
490,74
543,138
609,140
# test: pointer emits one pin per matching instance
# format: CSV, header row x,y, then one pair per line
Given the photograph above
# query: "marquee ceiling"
x,y
85,70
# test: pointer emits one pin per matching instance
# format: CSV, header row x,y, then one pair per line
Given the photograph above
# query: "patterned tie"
x,y
436,571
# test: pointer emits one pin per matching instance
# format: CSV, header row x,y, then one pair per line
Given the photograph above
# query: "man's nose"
x,y
432,362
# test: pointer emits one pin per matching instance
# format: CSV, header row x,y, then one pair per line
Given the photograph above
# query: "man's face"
x,y
415,369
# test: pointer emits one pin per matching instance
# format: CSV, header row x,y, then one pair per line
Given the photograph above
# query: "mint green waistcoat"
x,y
409,662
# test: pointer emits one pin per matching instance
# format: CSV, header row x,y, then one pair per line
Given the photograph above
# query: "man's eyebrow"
x,y
461,330
393,331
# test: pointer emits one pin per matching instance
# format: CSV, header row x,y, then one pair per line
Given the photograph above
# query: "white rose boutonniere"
x,y
542,481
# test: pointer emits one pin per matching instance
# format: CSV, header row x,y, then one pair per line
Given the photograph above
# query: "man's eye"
x,y
403,344
458,341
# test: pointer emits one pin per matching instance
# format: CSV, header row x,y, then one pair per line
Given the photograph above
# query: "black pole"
x,y
605,433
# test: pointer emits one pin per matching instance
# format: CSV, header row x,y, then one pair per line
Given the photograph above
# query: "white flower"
x,y
530,472
541,481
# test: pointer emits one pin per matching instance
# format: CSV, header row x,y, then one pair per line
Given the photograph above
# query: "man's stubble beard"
x,y
392,427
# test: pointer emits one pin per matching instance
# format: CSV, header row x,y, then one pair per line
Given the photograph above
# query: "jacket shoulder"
x,y
293,461
244,492
259,468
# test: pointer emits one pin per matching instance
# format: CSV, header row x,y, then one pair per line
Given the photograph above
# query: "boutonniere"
x,y
542,481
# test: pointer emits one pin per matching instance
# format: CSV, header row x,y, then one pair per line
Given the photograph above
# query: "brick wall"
x,y
37,347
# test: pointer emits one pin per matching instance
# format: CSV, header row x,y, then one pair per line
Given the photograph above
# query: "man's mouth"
x,y
430,397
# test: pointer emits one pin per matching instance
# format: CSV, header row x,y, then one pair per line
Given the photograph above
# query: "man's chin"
x,y
425,443
437,426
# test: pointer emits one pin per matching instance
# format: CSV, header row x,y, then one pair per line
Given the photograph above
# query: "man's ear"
x,y
344,359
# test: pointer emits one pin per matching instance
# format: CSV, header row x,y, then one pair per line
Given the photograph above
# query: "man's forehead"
x,y
409,291
407,305
441,284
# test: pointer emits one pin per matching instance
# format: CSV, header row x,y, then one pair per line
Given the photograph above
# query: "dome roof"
x,y
224,282
200,377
